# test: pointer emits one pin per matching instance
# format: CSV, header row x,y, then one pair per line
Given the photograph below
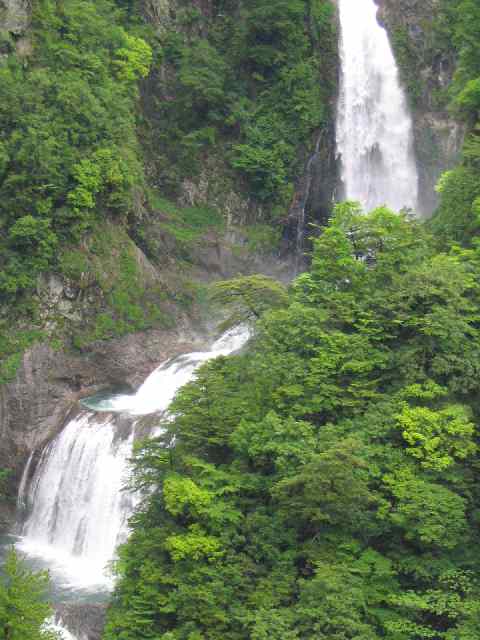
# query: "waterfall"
x,y
302,208
78,513
374,127
160,387
57,627
22,489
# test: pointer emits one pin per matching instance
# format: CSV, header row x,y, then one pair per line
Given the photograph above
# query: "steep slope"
x,y
144,154
325,483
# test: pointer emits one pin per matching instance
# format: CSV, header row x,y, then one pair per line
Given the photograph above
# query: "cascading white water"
x,y
160,387
22,489
374,127
78,509
79,513
59,629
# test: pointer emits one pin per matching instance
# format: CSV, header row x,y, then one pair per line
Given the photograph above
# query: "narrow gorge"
x,y
77,511
127,323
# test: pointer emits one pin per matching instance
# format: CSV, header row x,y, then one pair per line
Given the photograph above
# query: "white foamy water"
x,y
53,625
160,387
374,127
78,511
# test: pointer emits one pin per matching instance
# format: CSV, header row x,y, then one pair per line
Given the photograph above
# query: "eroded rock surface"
x,y
85,621
14,16
35,406
427,67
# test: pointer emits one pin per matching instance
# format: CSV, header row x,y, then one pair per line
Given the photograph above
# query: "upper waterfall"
x,y
374,127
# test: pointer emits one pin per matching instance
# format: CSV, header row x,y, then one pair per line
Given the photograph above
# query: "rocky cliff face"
x,y
14,16
51,380
85,621
53,375
49,383
427,64
216,184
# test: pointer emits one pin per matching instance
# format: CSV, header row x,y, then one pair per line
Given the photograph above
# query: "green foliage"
x,y
252,83
202,77
437,438
243,79
466,14
73,264
4,478
187,229
104,173
186,224
23,602
324,484
419,46
33,244
428,513
129,304
182,495
408,62
248,297
12,345
193,545
134,59
69,153
469,97
458,217
263,238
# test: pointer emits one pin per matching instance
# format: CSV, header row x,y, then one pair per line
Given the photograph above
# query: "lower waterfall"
x,y
57,626
77,511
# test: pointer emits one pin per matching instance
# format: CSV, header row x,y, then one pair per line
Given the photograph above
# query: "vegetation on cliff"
x,y
433,42
68,152
69,155
324,484
251,81
458,216
82,159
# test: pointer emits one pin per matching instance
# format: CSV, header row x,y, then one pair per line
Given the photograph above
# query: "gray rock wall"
x,y
49,383
85,621
14,16
427,65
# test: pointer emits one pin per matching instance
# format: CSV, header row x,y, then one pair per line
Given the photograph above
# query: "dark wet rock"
x,y
427,69
14,16
85,621
36,405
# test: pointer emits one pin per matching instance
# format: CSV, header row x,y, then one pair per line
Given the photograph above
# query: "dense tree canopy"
x,y
325,483
24,607
68,147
